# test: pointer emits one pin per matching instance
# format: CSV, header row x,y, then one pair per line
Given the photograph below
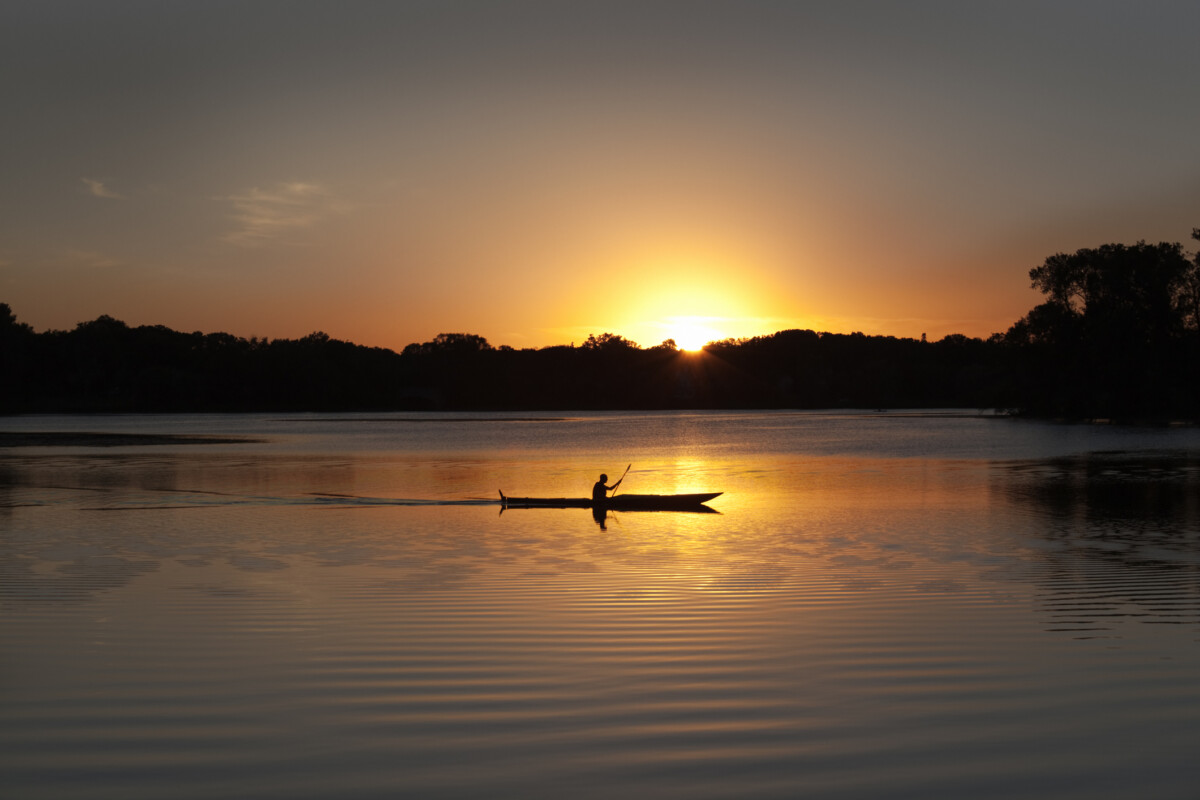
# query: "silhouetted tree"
x,y
8,321
608,341
450,343
1188,301
16,360
1136,289
1115,335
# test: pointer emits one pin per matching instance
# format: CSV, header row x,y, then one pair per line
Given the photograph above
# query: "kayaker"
x,y
600,490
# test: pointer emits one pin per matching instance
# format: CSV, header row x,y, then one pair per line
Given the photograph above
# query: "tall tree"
x,y
1188,302
1112,337
1135,288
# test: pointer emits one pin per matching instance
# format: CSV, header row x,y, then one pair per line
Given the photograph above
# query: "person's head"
x,y
603,478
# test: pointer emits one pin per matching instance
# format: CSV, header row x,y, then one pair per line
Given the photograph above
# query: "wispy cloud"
x,y
265,215
90,258
98,189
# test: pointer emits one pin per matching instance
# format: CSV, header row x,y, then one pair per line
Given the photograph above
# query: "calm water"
x,y
886,606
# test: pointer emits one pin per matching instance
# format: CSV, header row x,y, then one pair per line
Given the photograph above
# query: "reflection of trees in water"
x,y
56,563
1122,538
24,579
1116,497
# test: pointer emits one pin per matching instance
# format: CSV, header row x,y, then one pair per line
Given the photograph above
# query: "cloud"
x,y
90,258
98,189
264,215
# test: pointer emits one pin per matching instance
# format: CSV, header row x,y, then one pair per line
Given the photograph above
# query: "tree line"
x,y
1117,337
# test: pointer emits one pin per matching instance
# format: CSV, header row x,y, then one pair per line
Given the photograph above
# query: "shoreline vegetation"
x,y
1116,339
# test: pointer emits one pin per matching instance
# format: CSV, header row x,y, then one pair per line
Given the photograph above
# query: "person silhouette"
x,y
600,490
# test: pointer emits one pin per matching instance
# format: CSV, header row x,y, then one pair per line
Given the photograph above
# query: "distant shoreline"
x,y
84,439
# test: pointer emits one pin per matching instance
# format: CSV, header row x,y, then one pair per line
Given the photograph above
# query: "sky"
x,y
535,172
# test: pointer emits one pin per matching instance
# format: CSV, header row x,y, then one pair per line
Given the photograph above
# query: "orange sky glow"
x,y
537,172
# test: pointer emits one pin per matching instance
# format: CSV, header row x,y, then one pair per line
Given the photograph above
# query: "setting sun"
x,y
695,292
690,334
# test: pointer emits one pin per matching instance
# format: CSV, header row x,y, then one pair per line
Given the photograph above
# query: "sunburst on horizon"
x,y
691,333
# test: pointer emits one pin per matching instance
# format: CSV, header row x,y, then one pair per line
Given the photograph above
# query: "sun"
x,y
691,335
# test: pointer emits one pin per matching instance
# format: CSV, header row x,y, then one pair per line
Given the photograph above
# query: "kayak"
x,y
622,502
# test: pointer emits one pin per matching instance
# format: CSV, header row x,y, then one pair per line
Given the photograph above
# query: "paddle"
x,y
618,483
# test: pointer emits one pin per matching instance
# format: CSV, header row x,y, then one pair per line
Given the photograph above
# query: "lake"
x,y
884,605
